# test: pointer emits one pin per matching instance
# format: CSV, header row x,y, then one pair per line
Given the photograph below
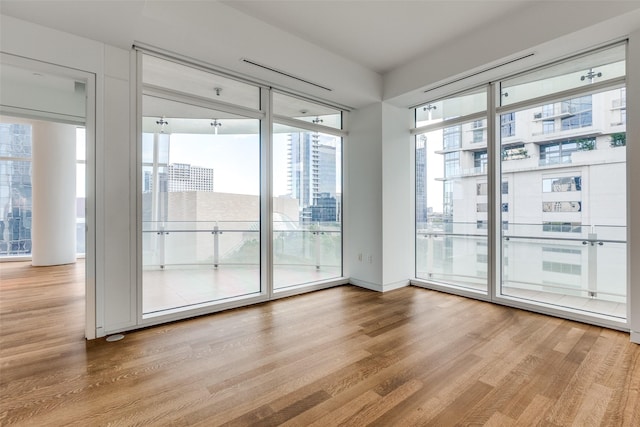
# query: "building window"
x,y
505,187
514,152
561,250
561,207
451,137
561,184
480,161
579,110
562,227
561,267
557,152
481,207
452,164
479,128
508,124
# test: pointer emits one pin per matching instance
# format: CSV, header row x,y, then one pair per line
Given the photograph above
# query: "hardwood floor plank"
x,y
344,355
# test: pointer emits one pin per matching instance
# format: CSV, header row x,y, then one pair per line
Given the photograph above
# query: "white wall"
x,y
363,213
549,30
397,211
112,280
633,177
379,226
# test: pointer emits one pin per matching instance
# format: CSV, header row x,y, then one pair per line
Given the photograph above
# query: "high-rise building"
x,y
184,177
15,189
311,169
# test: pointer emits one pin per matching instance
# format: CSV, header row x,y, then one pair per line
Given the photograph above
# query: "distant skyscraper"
x,y
421,181
311,168
15,189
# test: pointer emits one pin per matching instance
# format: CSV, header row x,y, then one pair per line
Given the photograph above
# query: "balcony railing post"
x,y
317,248
430,238
161,233
216,243
592,265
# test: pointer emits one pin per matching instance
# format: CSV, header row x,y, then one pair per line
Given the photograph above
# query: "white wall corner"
x,y
367,285
386,287
635,337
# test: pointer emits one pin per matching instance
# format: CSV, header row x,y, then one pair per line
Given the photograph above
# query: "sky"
x,y
235,159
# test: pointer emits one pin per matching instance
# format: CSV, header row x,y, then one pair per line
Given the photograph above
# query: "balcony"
x,y
583,270
187,264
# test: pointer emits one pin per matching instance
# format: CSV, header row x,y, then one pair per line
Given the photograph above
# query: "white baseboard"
x,y
635,337
377,286
395,285
367,285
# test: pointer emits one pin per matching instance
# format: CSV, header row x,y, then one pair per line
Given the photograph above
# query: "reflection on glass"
x,y
450,108
307,207
171,75
595,67
300,109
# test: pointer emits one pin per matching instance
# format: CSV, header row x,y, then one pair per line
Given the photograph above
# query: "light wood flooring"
x,y
342,356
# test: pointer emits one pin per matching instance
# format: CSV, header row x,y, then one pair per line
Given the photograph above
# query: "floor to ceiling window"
x,y
451,191
206,157
200,181
556,197
565,243
307,190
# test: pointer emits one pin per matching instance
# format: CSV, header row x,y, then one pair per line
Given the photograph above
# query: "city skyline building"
x,y
15,189
311,170
562,170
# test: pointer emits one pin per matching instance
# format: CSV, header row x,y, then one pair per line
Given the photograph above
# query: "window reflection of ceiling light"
x,y
216,124
163,123
591,75
317,120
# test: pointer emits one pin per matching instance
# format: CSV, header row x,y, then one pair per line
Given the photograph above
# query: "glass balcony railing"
x,y
306,252
583,270
211,244
314,247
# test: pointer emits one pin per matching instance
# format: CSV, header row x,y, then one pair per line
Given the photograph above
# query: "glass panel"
x,y
307,207
597,67
167,74
300,109
450,108
15,189
201,205
451,206
565,243
81,195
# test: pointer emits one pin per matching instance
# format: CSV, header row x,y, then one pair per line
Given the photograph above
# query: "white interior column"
x,y
53,180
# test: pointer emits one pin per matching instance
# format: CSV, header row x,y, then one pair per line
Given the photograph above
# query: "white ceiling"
x,y
363,51
380,35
